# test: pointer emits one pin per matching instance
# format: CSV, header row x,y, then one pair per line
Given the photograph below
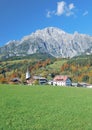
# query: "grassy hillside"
x,y
53,68
57,64
17,66
21,63
45,108
36,56
78,68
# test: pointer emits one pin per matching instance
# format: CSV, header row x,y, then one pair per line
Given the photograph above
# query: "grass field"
x,y
45,108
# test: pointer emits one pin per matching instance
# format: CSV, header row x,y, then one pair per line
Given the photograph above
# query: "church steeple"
x,y
28,74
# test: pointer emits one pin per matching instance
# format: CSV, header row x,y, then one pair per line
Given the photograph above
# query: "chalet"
x,y
74,84
35,79
61,80
85,85
89,86
41,80
82,84
15,80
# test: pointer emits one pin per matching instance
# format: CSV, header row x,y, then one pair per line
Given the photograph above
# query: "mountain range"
x,y
50,40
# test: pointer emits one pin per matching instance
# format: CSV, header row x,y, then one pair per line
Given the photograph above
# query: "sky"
x,y
19,18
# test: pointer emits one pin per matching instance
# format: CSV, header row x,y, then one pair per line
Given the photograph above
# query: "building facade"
x,y
61,80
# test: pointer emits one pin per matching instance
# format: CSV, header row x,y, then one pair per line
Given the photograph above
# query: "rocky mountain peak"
x,y
49,40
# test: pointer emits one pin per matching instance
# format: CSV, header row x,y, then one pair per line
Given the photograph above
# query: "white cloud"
x,y
85,13
71,6
62,9
48,14
69,13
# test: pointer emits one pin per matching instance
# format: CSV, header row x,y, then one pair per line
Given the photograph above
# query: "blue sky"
x,y
22,17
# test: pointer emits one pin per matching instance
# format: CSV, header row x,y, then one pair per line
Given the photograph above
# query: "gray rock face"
x,y
50,40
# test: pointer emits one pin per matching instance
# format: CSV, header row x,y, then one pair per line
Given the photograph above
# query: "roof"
x,y
16,79
60,78
38,77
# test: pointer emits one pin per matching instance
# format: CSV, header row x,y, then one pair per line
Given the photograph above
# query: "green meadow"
x,y
45,108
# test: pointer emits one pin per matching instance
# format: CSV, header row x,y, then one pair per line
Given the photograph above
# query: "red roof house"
x,y
62,80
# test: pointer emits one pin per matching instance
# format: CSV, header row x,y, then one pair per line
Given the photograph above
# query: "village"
x,y
37,79
58,80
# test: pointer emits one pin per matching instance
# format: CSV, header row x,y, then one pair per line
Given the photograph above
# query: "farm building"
x,y
41,80
35,79
89,86
15,80
61,80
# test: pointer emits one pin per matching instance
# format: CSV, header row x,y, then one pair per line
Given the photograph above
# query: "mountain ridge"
x,y
51,40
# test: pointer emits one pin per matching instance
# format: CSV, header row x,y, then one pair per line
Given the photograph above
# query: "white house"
x,y
61,80
89,86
